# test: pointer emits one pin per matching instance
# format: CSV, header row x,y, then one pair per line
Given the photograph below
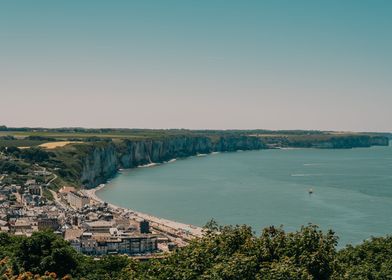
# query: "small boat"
x,y
310,191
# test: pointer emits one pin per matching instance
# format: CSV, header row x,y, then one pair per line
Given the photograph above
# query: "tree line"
x,y
224,253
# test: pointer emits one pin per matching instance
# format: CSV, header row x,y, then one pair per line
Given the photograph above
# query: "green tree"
x,y
235,252
44,251
370,260
35,154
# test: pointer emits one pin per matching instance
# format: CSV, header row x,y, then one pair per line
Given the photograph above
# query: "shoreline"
x,y
181,230
177,229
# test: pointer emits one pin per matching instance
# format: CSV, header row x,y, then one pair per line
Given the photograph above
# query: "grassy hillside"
x,y
20,143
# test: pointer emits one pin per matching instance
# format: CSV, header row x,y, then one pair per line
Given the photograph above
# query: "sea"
x,y
346,190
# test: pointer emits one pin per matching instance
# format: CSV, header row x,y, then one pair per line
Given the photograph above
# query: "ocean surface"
x,y
352,190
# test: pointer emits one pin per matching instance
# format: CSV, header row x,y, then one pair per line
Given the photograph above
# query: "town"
x,y
93,227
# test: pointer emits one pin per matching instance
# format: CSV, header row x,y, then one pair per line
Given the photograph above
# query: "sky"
x,y
201,64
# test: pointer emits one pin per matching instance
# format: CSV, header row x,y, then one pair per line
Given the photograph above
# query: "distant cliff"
x,y
327,141
94,163
91,164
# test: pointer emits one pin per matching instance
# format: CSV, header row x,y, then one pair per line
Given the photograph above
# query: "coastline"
x,y
181,230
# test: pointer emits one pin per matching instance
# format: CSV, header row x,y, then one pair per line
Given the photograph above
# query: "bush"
x,y
7,137
10,167
40,138
35,155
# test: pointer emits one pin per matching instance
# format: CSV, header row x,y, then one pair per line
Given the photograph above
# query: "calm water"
x,y
352,190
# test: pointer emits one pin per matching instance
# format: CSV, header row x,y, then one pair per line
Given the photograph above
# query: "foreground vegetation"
x,y
224,253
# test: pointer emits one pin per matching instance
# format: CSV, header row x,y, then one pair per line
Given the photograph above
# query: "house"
x,y
48,223
99,226
35,190
103,244
77,199
23,226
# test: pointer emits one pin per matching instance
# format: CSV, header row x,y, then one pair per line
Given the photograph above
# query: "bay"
x,y
352,190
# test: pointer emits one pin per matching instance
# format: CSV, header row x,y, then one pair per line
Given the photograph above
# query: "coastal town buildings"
x,y
91,226
103,244
91,229
77,200
46,222
35,190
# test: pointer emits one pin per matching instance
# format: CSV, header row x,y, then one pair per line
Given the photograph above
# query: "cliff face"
x,y
94,163
363,141
380,140
327,141
98,165
102,161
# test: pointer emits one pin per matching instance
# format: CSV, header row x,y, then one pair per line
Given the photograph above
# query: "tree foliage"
x,y
224,253
35,154
44,251
370,260
10,167
236,253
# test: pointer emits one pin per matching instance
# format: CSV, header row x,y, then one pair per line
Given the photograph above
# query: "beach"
x,y
179,230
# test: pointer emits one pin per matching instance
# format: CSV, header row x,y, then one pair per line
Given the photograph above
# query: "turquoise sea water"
x,y
352,190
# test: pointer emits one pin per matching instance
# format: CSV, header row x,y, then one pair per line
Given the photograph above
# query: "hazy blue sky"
x,y
197,64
